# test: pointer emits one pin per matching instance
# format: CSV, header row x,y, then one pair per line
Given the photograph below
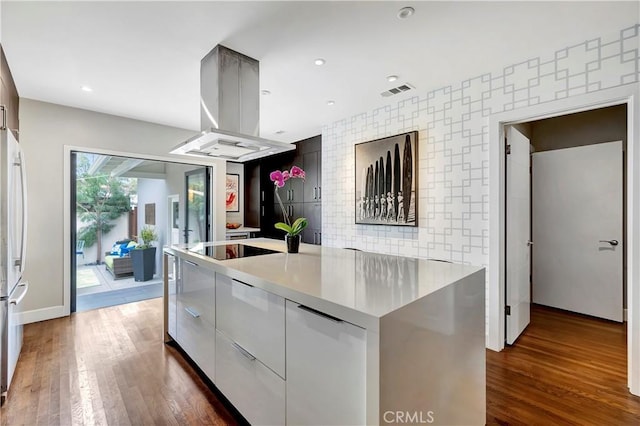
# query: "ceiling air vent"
x,y
400,89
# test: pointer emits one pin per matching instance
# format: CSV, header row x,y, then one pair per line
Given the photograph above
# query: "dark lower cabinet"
x,y
313,232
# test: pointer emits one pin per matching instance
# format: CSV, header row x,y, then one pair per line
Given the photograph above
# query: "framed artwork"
x,y
150,214
387,181
233,192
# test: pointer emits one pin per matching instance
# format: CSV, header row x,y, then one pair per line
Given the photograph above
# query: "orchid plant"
x,y
279,178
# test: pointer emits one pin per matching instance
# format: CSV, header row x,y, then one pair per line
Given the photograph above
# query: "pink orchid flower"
x,y
278,178
297,172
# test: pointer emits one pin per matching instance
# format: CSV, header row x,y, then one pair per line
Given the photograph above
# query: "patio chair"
x,y
80,248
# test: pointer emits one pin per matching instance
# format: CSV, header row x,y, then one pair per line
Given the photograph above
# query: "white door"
x,y
174,220
577,229
518,218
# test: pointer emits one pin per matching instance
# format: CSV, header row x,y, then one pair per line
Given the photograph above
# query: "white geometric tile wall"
x,y
453,147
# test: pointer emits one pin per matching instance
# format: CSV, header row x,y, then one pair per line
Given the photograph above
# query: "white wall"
x,y
44,131
453,158
238,169
154,191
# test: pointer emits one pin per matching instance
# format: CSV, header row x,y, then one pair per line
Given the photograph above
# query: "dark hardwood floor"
x,y
566,369
109,366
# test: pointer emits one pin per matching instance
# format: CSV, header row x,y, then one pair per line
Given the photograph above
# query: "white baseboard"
x,y
42,314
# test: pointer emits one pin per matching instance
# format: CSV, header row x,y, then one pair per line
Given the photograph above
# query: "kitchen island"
x,y
331,336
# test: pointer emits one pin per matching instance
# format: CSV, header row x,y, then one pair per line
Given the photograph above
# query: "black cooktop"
x,y
232,251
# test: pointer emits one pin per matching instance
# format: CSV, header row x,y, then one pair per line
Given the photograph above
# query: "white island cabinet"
x,y
331,336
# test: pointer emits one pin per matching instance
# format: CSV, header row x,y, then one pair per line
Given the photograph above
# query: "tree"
x,y
99,200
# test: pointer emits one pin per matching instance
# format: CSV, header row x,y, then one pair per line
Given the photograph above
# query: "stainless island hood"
x,y
230,110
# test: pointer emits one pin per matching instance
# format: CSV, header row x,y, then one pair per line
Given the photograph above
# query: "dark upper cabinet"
x,y
8,97
311,167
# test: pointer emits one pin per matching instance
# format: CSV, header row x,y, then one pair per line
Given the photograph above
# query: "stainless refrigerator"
x,y
13,238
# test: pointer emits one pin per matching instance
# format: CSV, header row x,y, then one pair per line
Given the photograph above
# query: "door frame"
x,y
173,198
629,95
208,208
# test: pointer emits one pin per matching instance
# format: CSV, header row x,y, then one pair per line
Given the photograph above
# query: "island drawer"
x,y
255,390
195,315
326,369
254,319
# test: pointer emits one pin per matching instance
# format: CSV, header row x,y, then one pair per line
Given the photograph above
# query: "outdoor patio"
x,y
96,288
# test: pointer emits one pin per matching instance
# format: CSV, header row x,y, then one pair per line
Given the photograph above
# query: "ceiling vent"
x,y
400,89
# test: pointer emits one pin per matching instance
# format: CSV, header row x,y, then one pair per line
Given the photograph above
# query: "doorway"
x,y
627,95
564,215
116,201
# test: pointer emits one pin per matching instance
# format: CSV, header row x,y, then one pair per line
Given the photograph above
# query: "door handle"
x,y
4,117
17,300
612,242
192,312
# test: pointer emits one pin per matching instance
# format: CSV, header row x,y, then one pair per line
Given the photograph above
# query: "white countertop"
x,y
242,230
359,287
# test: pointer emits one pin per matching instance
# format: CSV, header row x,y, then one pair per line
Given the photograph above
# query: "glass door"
x,y
196,218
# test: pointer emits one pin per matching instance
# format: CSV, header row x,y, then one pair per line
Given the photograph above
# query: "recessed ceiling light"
x,y
279,132
265,92
331,103
319,61
86,89
391,78
405,12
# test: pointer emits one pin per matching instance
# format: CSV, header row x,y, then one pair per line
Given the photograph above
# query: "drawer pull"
x,y
240,282
321,314
191,263
243,351
192,312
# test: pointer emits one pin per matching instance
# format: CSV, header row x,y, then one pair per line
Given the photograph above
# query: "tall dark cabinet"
x,y
300,198
8,97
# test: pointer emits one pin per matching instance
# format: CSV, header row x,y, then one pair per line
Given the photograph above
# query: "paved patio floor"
x,y
96,288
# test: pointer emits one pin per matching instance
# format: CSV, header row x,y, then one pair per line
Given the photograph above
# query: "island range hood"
x,y
230,110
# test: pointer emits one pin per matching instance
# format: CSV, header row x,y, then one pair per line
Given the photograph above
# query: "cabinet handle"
x,y
262,210
319,193
240,282
315,193
320,238
320,314
191,263
243,351
292,197
192,312
4,117
261,195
